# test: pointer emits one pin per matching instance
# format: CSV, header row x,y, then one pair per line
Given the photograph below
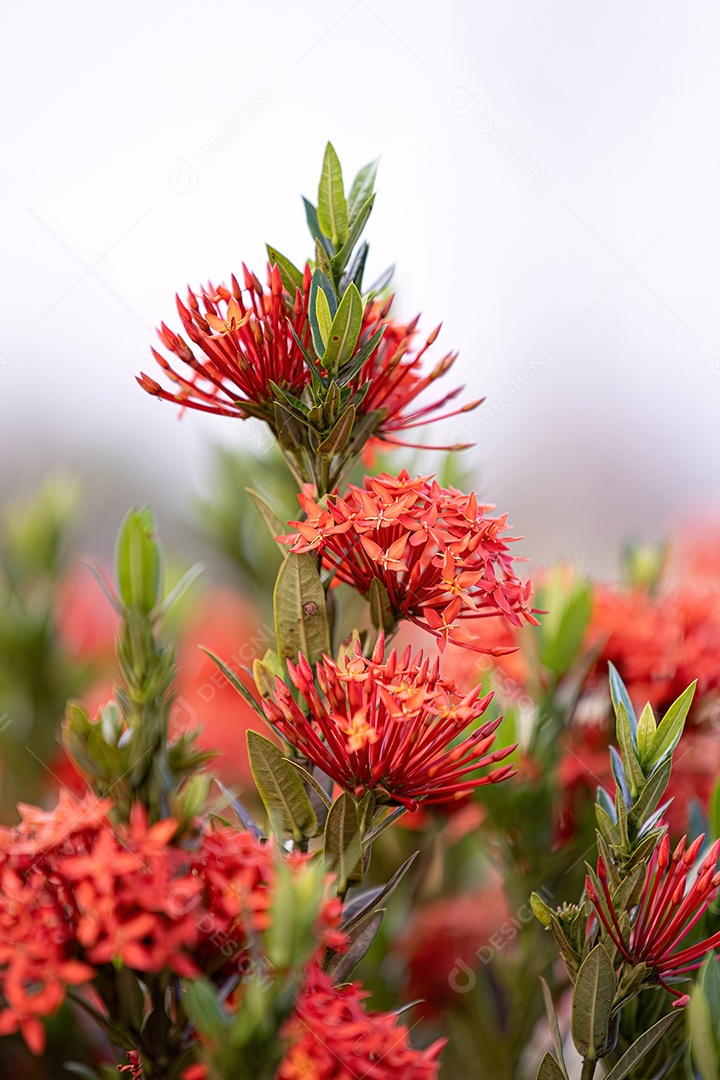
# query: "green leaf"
x,y
301,624
619,696
266,671
356,269
651,794
386,822
361,189
709,979
342,965
243,815
540,910
345,330
339,261
204,1008
315,230
308,778
137,561
561,646
703,1039
292,278
592,1003
645,730
365,904
332,209
281,790
669,730
640,1047
633,771
350,369
276,526
343,850
320,283
554,1026
322,259
549,1069
236,683
337,440
323,316
381,613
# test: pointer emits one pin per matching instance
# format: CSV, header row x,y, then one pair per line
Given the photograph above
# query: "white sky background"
x,y
607,267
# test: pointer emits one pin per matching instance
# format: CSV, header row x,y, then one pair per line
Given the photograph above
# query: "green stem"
x,y
588,1068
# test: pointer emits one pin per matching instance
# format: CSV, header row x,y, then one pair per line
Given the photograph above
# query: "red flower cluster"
x,y
388,725
436,554
394,377
247,337
659,643
333,1037
667,912
76,893
447,941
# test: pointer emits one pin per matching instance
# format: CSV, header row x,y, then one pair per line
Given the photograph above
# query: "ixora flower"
x,y
249,338
667,912
333,1037
392,377
77,893
437,555
253,337
389,725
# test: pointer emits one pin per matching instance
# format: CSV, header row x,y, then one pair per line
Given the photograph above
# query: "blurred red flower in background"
x,y
450,938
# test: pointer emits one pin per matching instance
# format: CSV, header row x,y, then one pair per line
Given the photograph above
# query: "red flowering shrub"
x,y
436,555
334,1038
389,725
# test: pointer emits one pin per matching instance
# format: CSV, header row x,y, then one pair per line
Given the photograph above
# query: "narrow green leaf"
x,y
645,730
281,790
243,815
342,965
291,277
540,910
619,696
276,526
332,209
651,795
345,330
351,368
633,771
549,1069
320,283
592,1003
365,904
703,1040
308,778
669,729
381,614
554,1026
640,1047
339,261
337,440
323,316
301,624
361,189
204,1007
343,850
386,822
322,260
315,230
236,683
356,269
176,594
